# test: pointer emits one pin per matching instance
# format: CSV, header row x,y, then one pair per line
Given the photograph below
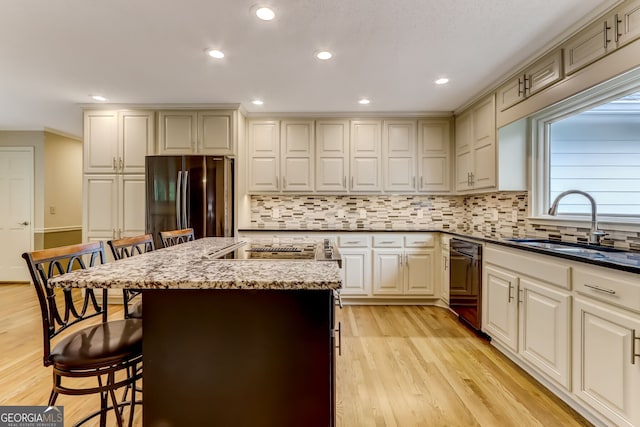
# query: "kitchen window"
x,y
590,143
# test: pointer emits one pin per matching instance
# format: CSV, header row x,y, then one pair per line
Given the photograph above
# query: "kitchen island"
x,y
230,342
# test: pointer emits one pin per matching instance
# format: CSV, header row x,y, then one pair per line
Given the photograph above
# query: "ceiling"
x,y
55,53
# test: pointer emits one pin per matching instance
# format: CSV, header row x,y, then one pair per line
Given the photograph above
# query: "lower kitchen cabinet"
x,y
444,268
356,271
527,315
606,368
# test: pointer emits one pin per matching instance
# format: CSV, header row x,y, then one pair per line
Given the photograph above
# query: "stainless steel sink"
x,y
565,247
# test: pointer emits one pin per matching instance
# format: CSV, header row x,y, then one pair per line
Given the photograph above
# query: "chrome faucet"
x,y
595,235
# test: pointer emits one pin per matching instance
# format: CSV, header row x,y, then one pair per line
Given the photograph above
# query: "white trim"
x,y
58,229
63,134
354,115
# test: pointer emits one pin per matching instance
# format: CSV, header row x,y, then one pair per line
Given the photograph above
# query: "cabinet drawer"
x,y
383,241
618,288
419,241
353,241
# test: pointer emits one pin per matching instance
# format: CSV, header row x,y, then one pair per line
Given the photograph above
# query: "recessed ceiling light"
x,y
98,97
442,81
257,102
324,55
218,54
265,13
364,101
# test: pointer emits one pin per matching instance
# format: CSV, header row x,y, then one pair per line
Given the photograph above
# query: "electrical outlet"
x,y
363,213
340,213
275,213
514,216
52,210
419,213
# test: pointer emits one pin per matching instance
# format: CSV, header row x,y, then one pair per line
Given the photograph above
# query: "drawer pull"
x,y
352,242
387,242
420,242
598,288
339,345
510,297
633,346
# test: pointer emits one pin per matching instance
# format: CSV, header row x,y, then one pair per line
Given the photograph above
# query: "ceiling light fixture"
x,y
98,98
257,102
218,54
442,81
364,101
265,13
324,55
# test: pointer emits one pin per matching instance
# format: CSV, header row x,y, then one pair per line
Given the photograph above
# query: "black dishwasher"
x,y
465,281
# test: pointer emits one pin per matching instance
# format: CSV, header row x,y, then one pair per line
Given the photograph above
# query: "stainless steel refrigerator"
x,y
189,192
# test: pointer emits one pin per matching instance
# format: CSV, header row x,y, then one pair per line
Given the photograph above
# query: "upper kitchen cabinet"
x,y
399,151
332,155
297,155
196,132
476,147
533,79
434,160
365,156
117,141
264,155
614,30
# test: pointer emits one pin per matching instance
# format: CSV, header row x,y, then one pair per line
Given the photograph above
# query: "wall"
x,y
492,215
62,190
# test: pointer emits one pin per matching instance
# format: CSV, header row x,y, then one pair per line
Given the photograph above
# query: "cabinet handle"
x,y
520,90
113,233
526,88
606,34
386,242
277,182
339,331
344,182
510,297
419,242
520,293
473,178
617,33
598,288
355,242
633,346
121,163
413,182
119,233
115,165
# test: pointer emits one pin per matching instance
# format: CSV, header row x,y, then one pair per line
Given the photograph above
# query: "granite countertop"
x,y
193,265
618,260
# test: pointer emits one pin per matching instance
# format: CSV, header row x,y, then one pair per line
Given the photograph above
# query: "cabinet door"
x,y
545,329
510,93
356,271
365,155
445,275
605,374
264,156
387,272
434,160
332,155
419,272
135,136
464,155
399,155
500,306
297,155
100,206
588,45
484,145
100,141
131,205
177,132
215,132
543,73
628,22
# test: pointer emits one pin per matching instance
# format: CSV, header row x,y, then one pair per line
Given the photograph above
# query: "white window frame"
x,y
540,130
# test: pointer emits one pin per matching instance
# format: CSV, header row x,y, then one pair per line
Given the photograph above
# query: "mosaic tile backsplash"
x,y
491,215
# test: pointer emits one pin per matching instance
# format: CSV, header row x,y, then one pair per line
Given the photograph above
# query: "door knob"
x,y
24,223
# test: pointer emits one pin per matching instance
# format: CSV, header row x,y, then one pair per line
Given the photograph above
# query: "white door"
x,y
16,212
500,306
387,272
399,155
418,271
356,271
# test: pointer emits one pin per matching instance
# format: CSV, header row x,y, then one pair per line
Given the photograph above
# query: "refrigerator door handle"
x,y
179,201
185,183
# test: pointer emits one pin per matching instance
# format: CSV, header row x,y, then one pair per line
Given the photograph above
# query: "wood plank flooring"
x,y
404,366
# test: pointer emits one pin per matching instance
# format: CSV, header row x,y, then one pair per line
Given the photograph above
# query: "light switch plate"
x,y
340,213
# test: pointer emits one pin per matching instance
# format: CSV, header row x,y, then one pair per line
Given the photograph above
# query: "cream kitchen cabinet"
x,y
117,141
533,79
365,149
281,155
114,206
445,277
332,155
399,150
476,146
434,159
617,28
524,298
196,132
403,266
356,265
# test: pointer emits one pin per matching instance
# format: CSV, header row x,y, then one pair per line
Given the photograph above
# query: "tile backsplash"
x,y
493,215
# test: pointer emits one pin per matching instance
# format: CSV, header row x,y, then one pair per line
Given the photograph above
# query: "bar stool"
x,y
175,237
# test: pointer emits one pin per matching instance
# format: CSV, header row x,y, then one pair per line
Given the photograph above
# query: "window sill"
x,y
604,223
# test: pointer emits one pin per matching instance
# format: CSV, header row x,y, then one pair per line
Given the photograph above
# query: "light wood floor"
x,y
400,366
